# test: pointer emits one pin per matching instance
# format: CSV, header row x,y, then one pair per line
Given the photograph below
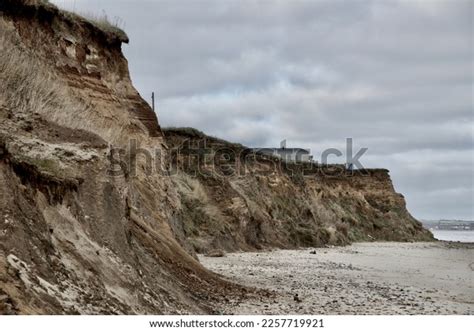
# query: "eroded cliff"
x,y
234,199
73,238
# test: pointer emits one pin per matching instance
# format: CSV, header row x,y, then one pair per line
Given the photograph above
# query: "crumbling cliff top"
x,y
47,12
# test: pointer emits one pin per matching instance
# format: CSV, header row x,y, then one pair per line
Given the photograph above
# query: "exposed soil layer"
x,y
75,238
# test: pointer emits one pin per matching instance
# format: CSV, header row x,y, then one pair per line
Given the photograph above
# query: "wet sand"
x,y
365,278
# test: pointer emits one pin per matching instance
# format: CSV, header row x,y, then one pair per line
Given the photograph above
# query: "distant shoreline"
x,y
463,236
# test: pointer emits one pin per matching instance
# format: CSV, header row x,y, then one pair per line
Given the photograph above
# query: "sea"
x,y
454,235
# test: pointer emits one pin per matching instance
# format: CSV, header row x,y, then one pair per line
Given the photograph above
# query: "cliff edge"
x,y
234,199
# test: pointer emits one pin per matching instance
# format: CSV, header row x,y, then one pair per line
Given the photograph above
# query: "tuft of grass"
x,y
188,131
193,133
28,86
110,26
103,22
46,165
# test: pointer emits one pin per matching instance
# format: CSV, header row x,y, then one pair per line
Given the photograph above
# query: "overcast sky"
x,y
396,76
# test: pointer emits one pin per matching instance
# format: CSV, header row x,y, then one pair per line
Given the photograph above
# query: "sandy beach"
x,y
364,278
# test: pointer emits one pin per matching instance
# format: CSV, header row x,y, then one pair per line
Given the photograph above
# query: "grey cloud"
x,y
395,75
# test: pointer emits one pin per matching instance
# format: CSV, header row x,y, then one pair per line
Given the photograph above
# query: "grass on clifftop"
x,y
102,22
197,134
25,90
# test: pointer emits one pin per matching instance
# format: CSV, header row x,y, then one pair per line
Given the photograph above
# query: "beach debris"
x,y
297,298
216,253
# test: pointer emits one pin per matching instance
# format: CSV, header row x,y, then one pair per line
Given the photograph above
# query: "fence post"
x,y
153,101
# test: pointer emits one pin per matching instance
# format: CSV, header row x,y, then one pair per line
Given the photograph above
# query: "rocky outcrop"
x,y
234,199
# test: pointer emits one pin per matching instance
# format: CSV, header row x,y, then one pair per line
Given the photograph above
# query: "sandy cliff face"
x,y
252,202
87,57
73,238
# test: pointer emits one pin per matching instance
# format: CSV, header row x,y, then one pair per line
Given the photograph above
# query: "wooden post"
x,y
153,101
